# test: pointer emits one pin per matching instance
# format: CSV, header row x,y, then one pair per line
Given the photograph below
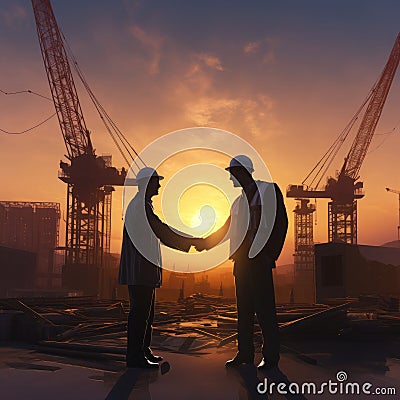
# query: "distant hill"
x,y
285,269
395,243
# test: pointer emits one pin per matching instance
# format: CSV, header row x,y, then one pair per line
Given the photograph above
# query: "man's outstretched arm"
x,y
168,236
215,238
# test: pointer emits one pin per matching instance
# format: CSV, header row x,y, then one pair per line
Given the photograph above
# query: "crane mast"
x,y
90,178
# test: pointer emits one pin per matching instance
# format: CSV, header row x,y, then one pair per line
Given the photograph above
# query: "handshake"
x,y
200,244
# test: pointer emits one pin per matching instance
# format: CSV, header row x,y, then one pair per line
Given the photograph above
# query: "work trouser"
x,y
140,320
255,295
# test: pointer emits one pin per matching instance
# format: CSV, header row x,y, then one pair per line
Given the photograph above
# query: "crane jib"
x,y
61,82
372,114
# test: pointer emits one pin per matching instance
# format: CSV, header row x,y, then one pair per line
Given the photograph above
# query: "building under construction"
x,y
33,228
346,270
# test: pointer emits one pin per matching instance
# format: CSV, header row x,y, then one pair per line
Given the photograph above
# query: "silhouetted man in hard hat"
x,y
140,266
257,229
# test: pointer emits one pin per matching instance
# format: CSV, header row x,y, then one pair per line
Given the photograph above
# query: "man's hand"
x,y
199,244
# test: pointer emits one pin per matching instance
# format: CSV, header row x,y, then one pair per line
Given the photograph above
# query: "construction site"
x,y
63,315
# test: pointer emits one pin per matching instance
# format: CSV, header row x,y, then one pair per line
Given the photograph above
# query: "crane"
x,y
396,192
89,178
345,189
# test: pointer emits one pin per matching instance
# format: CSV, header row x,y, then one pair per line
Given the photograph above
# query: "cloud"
x,y
251,47
151,42
14,15
199,61
265,47
211,61
211,111
252,116
269,57
205,99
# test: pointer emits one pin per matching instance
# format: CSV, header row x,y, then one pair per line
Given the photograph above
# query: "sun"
x,y
204,209
204,221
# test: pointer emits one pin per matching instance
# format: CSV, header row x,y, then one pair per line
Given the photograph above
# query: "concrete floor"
x,y
27,374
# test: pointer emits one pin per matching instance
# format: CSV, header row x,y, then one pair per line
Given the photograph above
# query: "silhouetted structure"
x,y
182,292
304,252
203,285
18,271
90,178
345,270
174,280
33,227
398,193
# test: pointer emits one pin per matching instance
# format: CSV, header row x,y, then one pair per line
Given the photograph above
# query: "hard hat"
x,y
147,173
241,161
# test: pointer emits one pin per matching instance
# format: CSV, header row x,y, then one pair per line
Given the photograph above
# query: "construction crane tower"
x,y
345,189
89,178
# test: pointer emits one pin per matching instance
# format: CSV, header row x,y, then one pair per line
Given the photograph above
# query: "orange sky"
x,y
287,80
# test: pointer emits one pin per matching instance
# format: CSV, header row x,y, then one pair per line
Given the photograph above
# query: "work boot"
x,y
141,362
152,357
239,360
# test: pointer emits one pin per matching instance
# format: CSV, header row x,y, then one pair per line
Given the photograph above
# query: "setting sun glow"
x,y
203,208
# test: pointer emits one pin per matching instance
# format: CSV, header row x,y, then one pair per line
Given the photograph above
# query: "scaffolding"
x,y
342,224
304,235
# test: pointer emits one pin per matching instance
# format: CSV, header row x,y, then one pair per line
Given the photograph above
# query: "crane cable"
x,y
29,129
33,127
386,137
106,119
327,159
331,153
27,91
